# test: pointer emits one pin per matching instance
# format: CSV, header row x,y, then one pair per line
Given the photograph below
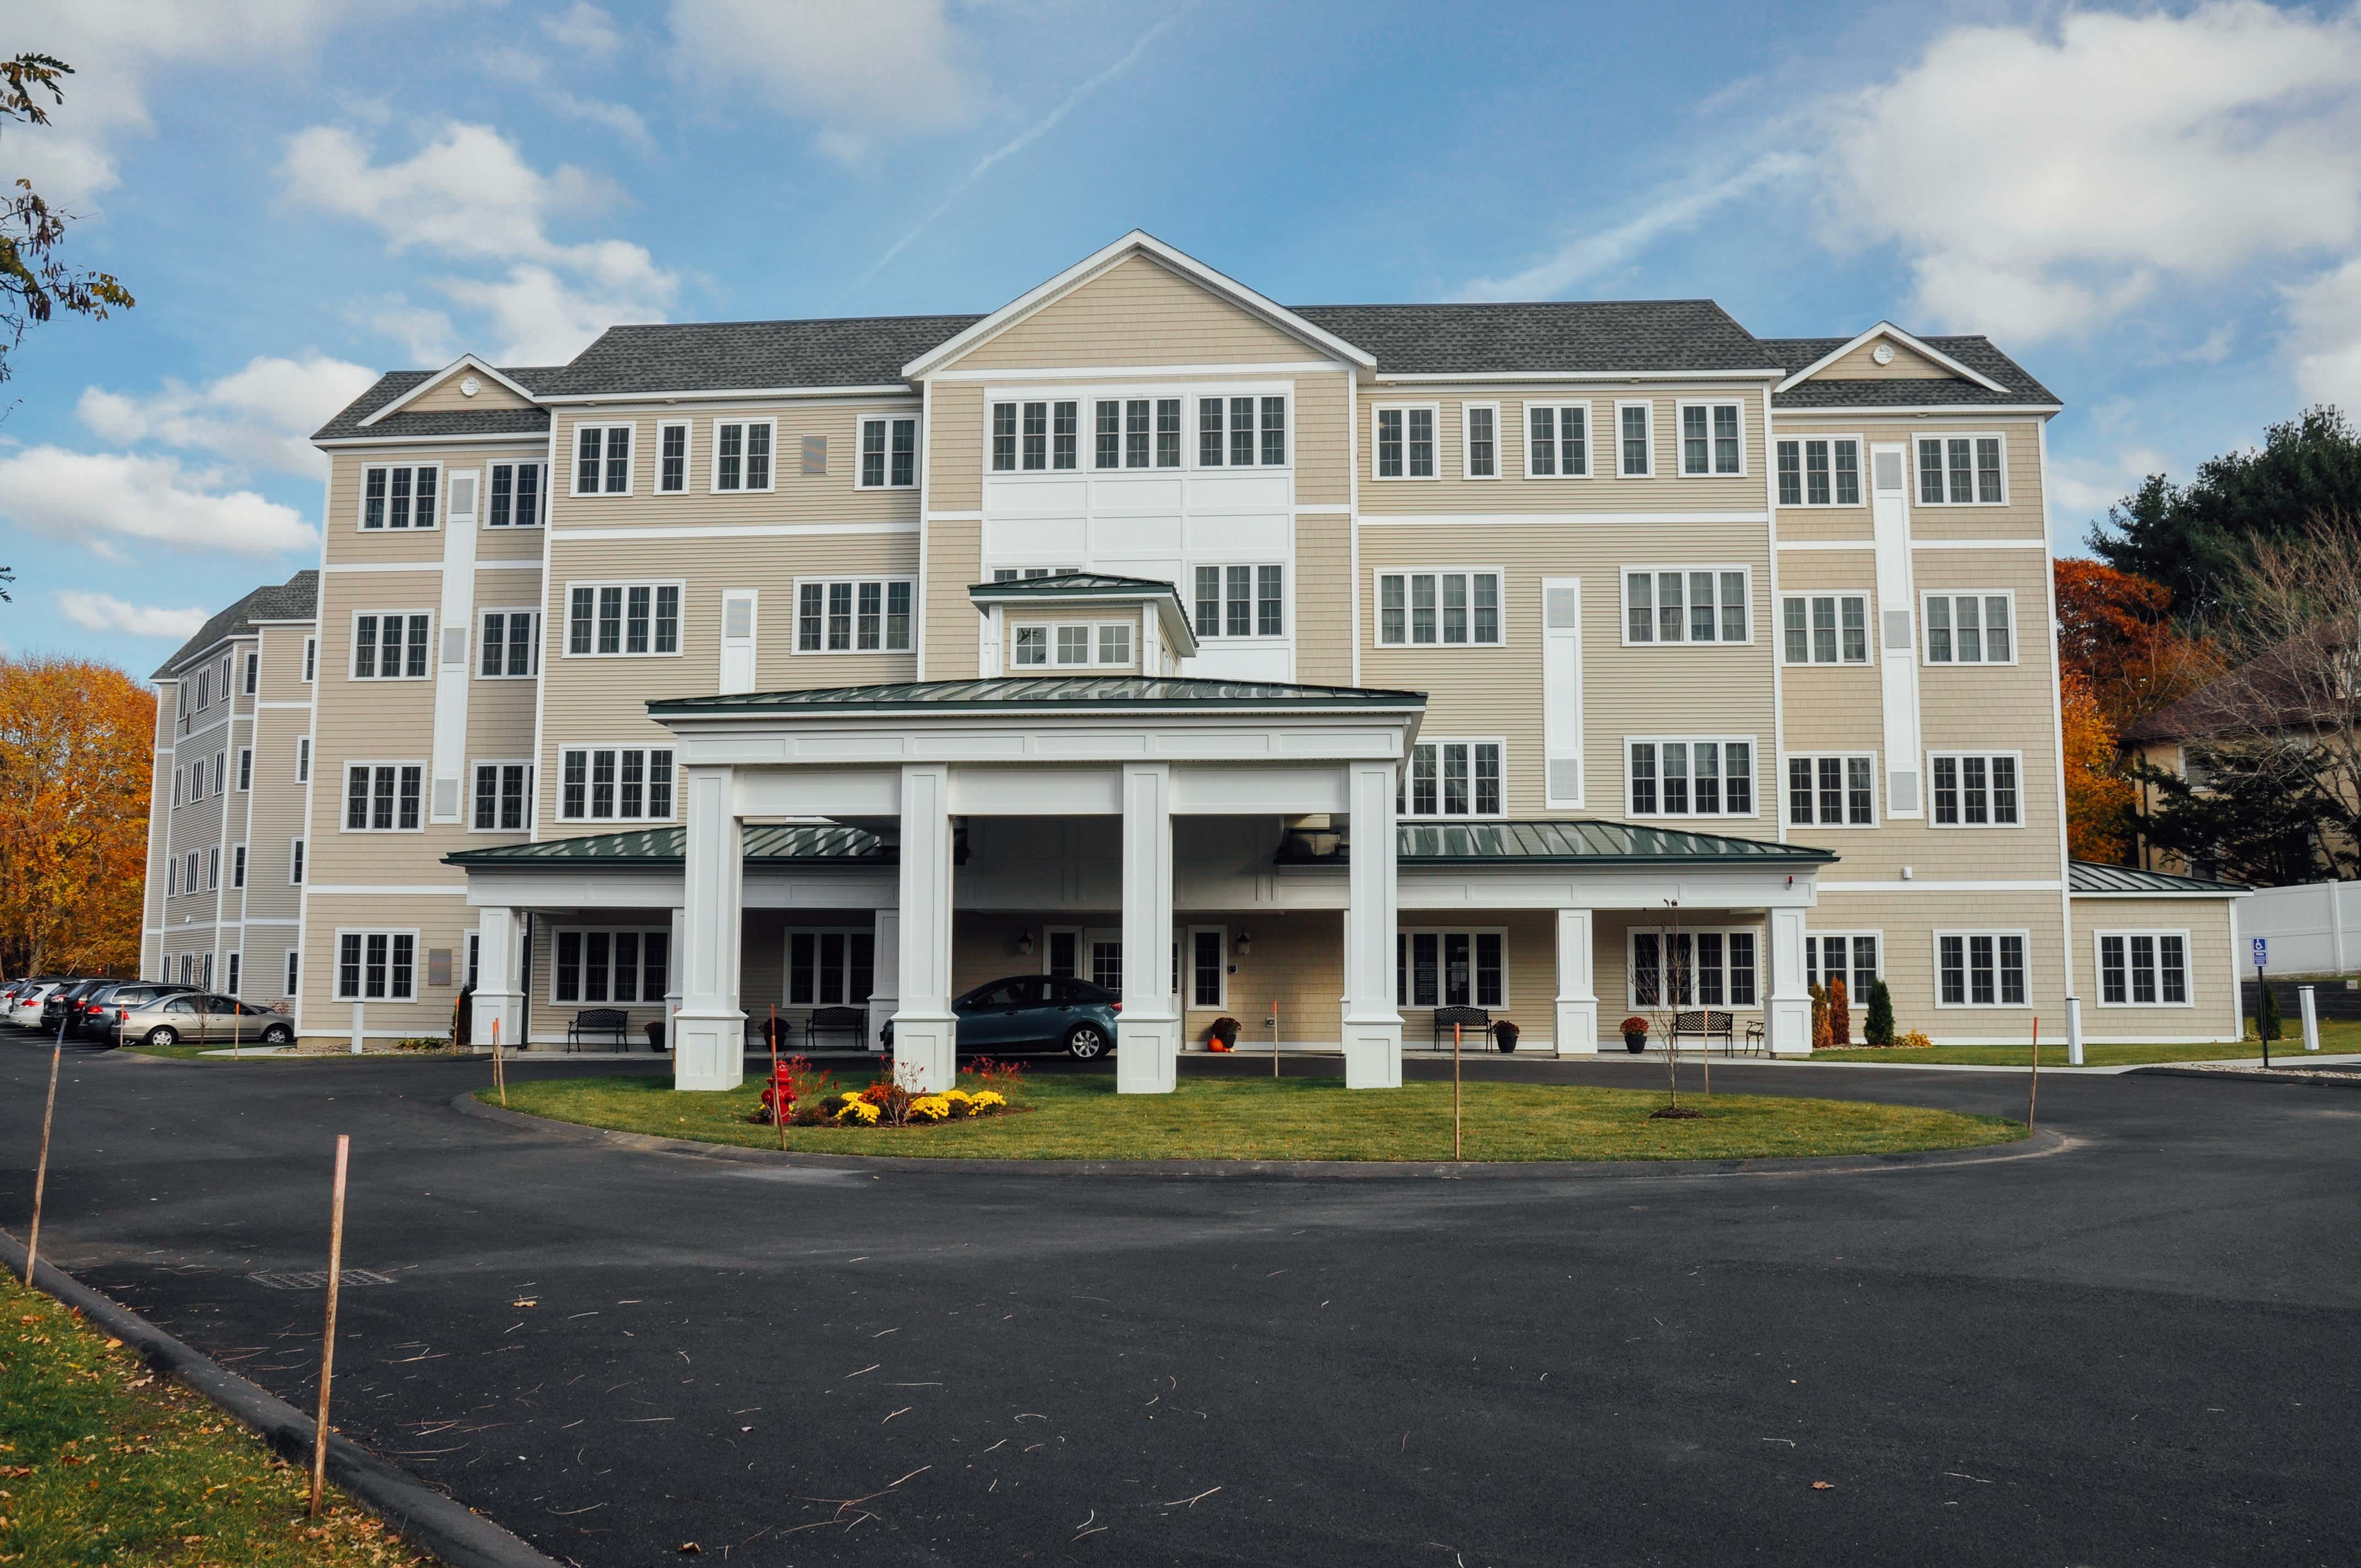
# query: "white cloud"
x,y
425,335
2040,181
261,416
106,499
2324,338
877,69
543,319
530,70
104,612
585,29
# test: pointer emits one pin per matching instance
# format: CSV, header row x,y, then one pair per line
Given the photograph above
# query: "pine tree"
x,y
1879,1029
2266,1015
1839,1013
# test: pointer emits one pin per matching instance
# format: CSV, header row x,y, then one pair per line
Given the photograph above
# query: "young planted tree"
x,y
1675,991
1839,1013
1879,1028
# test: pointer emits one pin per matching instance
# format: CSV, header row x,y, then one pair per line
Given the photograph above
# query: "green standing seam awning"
x,y
2092,878
766,844
1017,694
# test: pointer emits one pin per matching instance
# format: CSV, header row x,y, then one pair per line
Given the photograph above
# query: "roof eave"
x,y
436,379
1887,329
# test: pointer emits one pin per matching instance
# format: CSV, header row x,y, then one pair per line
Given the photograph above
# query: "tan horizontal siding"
x,y
795,497
346,542
2215,1009
1137,313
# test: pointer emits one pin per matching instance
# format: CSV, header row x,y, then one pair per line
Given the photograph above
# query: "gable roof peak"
x,y
1918,346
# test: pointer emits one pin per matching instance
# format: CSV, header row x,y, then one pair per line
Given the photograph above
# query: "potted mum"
x,y
1504,1035
1224,1033
1635,1033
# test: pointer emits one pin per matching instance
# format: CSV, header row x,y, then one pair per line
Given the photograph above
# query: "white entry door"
x,y
737,607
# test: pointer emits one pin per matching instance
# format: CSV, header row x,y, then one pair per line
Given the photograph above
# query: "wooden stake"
x,y
500,1066
41,1170
328,1337
1454,1092
1274,1037
2033,1091
778,1112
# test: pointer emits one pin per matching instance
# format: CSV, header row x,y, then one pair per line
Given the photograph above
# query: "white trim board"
x,y
736,530
436,379
1489,519
1887,329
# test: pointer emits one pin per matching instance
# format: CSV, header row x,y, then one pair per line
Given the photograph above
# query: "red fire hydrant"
x,y
779,1099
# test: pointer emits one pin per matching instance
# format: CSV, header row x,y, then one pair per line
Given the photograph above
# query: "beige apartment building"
x,y
1318,667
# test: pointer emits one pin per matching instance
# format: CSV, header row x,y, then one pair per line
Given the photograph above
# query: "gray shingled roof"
x,y
714,356
296,599
1022,693
1550,335
1569,843
2090,877
1977,352
445,421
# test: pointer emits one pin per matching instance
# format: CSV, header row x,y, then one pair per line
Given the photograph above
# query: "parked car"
x,y
196,1017
97,1014
24,1007
53,1005
1034,1012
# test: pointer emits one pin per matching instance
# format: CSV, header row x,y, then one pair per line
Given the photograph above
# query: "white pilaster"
x,y
498,1003
1788,1010
448,801
1373,1028
1577,1002
672,981
925,1035
1148,1030
709,1031
885,979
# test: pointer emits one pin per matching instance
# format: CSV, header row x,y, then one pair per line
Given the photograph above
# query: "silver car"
x,y
25,1008
195,1017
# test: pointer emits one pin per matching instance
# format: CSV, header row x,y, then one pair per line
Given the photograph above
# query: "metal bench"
x,y
851,1021
1708,1027
1471,1021
611,1021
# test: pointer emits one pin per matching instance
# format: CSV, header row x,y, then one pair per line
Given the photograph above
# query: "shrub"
x,y
1822,1037
1839,1013
1912,1040
1635,1025
1005,1077
1879,1029
2266,1015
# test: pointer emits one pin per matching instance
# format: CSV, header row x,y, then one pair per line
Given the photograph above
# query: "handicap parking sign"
x,y
2262,951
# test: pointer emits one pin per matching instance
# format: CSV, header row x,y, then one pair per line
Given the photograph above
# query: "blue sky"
x,y
2157,211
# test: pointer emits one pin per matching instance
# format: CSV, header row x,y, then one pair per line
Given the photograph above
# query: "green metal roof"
x,y
1017,694
1571,843
2091,877
803,844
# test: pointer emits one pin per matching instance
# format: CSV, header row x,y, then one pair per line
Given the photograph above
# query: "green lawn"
x,y
2335,1035
1076,1117
101,1462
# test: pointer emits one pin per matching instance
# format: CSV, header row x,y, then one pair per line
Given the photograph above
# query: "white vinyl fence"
x,y
2313,929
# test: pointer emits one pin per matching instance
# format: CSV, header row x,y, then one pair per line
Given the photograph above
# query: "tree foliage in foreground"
x,y
76,739
35,282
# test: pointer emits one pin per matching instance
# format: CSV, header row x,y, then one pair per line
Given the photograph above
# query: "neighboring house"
x,y
1539,658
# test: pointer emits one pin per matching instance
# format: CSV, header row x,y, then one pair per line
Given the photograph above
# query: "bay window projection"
x,y
615,784
1979,969
1104,642
1690,777
619,619
1971,627
392,645
1242,432
1557,441
2143,969
609,965
742,454
1820,473
1694,969
503,797
1405,443
1832,792
672,457
1479,427
399,495
376,966
853,616
1241,601
511,641
1450,968
1825,628
1450,778
889,452
382,797
1975,789
1446,608
830,968
515,496
1635,443
1686,605
1961,470
1712,439
602,460
1850,956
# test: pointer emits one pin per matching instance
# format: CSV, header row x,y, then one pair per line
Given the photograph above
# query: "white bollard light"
x,y
2311,1006
357,1035
2073,1031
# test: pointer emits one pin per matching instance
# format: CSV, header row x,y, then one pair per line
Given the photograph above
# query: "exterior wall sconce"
x,y
1245,942
1024,939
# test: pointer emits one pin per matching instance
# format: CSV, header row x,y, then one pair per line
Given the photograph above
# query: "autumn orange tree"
x,y
2116,631
76,739
2099,797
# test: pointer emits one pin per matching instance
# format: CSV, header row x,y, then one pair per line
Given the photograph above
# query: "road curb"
x,y
449,1530
2258,1075
2037,1145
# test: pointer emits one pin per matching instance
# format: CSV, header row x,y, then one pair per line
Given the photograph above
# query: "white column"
x,y
885,973
672,981
1148,1030
1373,1028
1788,1010
498,1003
709,1031
1577,1002
2073,1031
925,1035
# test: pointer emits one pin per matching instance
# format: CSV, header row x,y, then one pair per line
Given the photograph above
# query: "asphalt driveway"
x,y
2142,1350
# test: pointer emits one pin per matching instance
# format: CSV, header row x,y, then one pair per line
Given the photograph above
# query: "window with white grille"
x,y
853,615
392,645
1689,777
400,495
621,620
615,784
1687,604
1446,608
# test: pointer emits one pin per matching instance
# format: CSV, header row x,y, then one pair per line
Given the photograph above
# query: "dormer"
x,y
1081,623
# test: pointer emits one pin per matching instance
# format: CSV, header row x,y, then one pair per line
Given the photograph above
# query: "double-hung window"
x,y
1972,628
1452,609
1979,969
237,866
1450,778
311,659
1138,433
399,495
1974,789
1690,777
609,965
830,968
1692,604
1850,957
503,797
1694,968
1713,439
1241,601
672,457
742,454
511,641
252,672
2143,969
1962,470
889,452
1832,792
1557,441
382,797
1405,442
615,784
1037,436
1635,443
619,620
853,615
376,966
244,769
295,862
602,460
1479,432
515,496
212,868
1242,432
1825,628
302,759
1822,472
392,645
1451,969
